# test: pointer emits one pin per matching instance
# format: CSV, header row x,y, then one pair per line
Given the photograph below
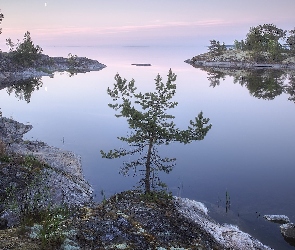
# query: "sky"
x,y
139,22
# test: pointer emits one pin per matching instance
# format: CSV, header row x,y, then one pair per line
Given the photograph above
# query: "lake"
x,y
248,153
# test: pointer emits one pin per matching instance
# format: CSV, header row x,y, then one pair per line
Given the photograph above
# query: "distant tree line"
x,y
266,43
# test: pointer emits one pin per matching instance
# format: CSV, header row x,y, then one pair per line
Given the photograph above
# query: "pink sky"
x,y
145,22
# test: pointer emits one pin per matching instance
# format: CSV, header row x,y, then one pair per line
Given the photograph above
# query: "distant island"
x,y
26,60
265,46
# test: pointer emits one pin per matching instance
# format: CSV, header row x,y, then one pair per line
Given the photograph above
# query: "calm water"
x,y
249,152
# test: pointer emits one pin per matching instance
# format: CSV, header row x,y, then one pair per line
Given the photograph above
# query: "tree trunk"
x,y
148,168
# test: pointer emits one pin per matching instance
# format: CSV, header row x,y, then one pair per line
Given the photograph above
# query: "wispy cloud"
x,y
118,29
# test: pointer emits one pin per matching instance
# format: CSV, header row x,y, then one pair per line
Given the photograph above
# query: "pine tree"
x,y
150,127
1,18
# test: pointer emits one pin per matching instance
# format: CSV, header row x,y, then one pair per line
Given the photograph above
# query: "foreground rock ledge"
x,y
124,221
60,182
129,221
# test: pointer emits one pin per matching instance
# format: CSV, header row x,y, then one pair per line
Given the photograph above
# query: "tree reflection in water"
x,y
23,89
261,83
265,84
290,89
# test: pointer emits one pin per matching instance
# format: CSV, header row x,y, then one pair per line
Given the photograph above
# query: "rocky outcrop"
x,y
11,72
277,218
228,236
238,60
126,220
287,228
57,180
130,221
288,232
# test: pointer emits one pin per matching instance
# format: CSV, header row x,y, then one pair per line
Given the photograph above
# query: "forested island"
x,y
25,60
265,46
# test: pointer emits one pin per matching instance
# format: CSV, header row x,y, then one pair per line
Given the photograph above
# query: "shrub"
x,y
24,53
215,48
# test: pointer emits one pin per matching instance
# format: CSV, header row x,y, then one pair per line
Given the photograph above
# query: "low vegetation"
x,y
20,194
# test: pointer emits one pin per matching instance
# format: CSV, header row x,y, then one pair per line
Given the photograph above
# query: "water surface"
x,y
249,152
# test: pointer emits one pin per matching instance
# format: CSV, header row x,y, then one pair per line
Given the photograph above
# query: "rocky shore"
x,y
238,60
125,221
10,72
58,180
287,228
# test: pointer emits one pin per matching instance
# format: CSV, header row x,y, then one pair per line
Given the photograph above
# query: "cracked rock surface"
x,y
58,179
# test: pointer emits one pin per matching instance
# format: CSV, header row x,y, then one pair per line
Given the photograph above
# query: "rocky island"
x,y
265,46
44,65
238,59
25,60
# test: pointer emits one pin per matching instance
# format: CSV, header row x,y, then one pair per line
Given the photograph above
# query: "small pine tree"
x,y
150,126
215,48
24,53
1,18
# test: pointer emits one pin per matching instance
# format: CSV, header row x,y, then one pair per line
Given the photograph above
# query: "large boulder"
x,y
288,231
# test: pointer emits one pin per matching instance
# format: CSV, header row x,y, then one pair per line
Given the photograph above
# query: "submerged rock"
x,y
277,218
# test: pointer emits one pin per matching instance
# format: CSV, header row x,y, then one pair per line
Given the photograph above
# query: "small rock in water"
x,y
141,64
277,218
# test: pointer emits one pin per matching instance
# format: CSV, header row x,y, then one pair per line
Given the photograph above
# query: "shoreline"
x,y
238,59
10,73
65,177
240,65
